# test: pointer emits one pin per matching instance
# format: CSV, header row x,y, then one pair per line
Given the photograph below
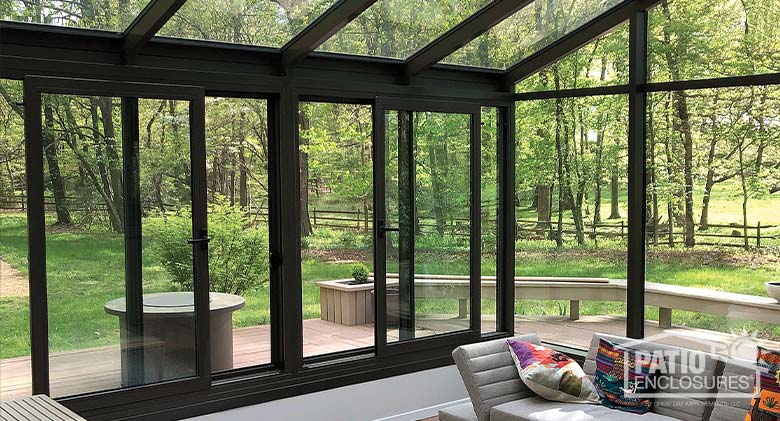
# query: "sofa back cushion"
x,y
736,391
490,375
689,403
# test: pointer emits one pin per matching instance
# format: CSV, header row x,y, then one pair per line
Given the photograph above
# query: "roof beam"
x,y
463,33
146,24
575,39
319,31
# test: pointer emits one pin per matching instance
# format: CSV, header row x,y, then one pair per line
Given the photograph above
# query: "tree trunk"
x,y
544,197
306,228
52,160
106,107
652,176
683,126
743,182
710,179
243,190
559,153
614,200
670,215
437,171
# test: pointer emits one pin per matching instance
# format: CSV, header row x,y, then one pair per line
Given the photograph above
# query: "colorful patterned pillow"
x,y
766,404
620,374
550,374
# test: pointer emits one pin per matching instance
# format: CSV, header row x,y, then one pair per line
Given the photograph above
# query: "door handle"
x,y
382,228
204,239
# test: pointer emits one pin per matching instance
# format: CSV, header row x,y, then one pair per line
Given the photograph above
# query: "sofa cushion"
x,y
735,392
768,399
490,375
618,369
462,412
680,401
538,409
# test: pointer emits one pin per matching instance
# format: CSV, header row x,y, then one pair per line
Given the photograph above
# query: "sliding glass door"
x,y
105,314
427,205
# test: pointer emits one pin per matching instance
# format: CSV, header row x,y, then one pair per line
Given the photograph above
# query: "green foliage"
x,y
238,253
360,273
348,238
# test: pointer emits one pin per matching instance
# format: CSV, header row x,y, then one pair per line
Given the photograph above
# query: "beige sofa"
x,y
498,394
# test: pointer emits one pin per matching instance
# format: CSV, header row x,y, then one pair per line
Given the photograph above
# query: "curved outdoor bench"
x,y
665,297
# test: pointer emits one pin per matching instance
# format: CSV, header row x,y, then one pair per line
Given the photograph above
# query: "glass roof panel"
x,y
252,22
532,28
601,62
398,28
107,15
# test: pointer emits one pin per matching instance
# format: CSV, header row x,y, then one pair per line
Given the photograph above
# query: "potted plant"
x,y
359,274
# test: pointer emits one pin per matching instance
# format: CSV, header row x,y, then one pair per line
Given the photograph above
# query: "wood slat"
x,y
36,408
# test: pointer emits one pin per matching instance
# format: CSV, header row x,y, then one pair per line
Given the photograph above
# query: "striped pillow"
x,y
766,405
619,375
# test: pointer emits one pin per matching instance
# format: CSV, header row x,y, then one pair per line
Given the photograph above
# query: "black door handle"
x,y
199,240
382,228
203,239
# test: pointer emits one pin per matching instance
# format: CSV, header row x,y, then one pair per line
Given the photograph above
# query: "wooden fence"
x,y
731,235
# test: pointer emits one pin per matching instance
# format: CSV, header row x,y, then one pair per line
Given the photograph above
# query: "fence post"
x,y
314,212
758,235
622,229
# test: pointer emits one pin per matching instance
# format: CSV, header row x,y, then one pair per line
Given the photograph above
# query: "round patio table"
x,y
169,334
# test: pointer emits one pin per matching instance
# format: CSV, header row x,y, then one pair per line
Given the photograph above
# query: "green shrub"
x,y
238,253
360,273
348,239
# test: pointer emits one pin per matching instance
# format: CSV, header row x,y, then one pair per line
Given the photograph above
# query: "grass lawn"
x,y
85,270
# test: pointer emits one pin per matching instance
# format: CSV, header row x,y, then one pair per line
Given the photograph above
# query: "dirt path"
x,y
12,282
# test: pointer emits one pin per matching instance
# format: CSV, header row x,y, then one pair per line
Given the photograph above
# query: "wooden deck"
x,y
94,369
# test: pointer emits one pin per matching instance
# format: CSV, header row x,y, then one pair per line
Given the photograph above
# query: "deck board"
x,y
94,369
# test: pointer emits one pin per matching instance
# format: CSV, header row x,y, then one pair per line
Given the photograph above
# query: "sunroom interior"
x,y
206,205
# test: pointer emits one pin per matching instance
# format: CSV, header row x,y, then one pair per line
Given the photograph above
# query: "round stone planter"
x,y
773,289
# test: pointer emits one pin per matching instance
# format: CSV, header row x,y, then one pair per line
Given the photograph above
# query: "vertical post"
x,y
406,220
637,108
275,232
133,348
380,144
200,250
758,235
290,220
507,225
314,212
475,203
36,232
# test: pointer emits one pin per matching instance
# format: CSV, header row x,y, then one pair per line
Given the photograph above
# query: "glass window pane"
x,y
602,62
237,182
253,22
108,15
433,223
87,242
337,223
15,369
398,28
697,40
489,217
532,28
571,218
713,226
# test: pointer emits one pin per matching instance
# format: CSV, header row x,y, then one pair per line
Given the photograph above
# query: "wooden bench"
x,y
665,297
38,407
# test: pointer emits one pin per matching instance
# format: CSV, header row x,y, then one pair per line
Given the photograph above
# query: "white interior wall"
x,y
403,398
